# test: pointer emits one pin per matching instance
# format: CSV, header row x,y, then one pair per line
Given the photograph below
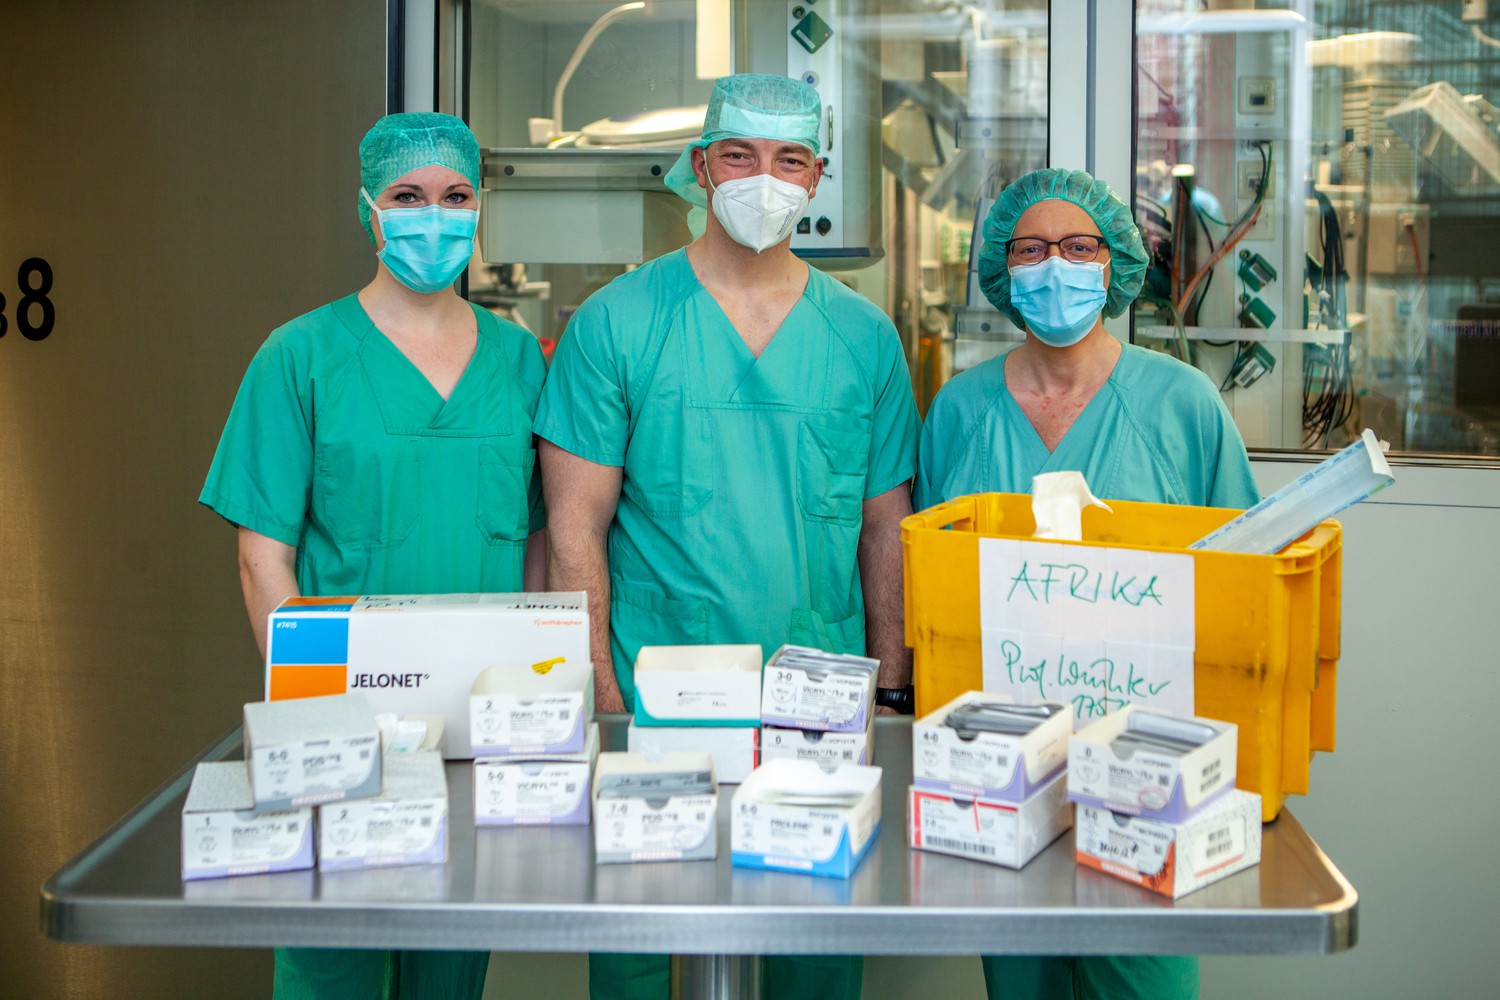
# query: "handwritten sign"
x,y
1097,627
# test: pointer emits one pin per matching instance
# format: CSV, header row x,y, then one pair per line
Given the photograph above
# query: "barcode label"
x,y
967,846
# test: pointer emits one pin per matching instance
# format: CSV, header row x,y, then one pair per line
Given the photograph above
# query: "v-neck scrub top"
x,y
338,445
743,477
1156,431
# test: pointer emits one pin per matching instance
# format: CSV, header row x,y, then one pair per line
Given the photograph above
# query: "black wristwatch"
x,y
902,699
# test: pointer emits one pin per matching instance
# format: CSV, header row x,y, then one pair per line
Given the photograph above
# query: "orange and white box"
x,y
1172,859
992,830
420,654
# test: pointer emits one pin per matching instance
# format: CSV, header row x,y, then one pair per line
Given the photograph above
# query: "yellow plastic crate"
x,y
1267,626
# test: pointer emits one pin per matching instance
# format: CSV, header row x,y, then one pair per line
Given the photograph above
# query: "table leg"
x,y
715,977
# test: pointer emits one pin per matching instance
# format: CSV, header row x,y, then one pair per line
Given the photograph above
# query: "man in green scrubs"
x,y
727,442
382,445
1138,424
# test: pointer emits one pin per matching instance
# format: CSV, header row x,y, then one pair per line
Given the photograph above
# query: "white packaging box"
x,y
989,765
419,654
547,789
797,694
311,750
1154,784
735,750
992,830
664,810
828,749
698,686
795,816
406,824
222,835
1172,859
541,709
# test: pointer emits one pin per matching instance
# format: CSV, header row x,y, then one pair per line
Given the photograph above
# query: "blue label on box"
x,y
309,641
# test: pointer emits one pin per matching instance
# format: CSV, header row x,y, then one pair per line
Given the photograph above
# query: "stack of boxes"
x,y
534,742
699,698
1156,801
819,707
989,779
314,758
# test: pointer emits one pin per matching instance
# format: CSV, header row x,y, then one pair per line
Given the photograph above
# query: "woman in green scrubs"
x,y
382,445
1061,253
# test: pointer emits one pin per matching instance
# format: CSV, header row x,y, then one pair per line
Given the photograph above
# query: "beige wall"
x,y
189,170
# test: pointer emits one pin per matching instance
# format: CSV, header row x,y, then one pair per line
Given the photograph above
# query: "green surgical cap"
x,y
399,144
750,106
1127,254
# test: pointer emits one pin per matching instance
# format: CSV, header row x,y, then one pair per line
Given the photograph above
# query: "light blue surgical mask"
x,y
1060,299
426,249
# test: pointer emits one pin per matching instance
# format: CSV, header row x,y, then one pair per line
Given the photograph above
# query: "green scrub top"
x,y
744,477
1156,431
339,446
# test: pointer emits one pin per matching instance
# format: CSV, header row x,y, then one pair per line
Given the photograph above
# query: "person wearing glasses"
x,y
1060,254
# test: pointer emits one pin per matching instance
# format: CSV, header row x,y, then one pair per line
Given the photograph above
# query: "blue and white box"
x,y
222,834
794,816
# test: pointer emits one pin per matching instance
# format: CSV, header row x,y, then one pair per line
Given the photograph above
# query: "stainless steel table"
x,y
538,889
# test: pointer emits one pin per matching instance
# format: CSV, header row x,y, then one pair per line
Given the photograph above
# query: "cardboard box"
x,y
547,789
828,749
311,751
1172,859
1145,782
223,835
544,709
999,766
664,810
735,750
794,816
806,688
992,830
698,686
420,654
406,824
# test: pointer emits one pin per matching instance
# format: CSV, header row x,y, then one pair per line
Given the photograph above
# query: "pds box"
x,y
311,751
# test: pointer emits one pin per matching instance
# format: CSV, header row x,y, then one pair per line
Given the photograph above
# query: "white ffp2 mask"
x,y
758,211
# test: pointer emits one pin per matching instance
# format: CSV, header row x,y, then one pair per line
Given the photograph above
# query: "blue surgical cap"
x,y
399,144
751,106
1127,254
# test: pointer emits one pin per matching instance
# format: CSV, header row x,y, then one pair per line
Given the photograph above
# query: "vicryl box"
x,y
987,764
1106,768
545,789
406,824
222,835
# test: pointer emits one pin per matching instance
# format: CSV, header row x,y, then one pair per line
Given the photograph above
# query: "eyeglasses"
x,y
1080,249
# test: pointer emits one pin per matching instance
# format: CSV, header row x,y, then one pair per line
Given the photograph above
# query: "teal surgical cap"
x,y
1127,254
399,144
750,106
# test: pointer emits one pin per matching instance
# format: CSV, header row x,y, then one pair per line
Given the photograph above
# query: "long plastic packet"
x,y
1341,481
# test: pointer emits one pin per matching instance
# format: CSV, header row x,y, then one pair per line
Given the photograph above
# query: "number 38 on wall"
x,y
34,312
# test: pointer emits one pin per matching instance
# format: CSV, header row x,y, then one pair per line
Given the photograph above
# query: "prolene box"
x,y
992,830
222,835
406,824
828,749
311,751
420,654
1172,859
1147,763
546,789
806,688
663,810
698,686
794,816
979,744
541,709
735,750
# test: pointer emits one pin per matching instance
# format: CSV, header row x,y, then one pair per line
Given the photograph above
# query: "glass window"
x,y
930,108
1318,183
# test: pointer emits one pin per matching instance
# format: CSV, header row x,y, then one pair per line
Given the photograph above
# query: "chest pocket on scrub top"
x,y
669,465
504,513
366,495
831,468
